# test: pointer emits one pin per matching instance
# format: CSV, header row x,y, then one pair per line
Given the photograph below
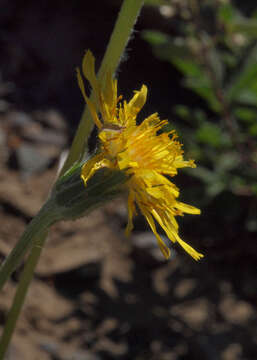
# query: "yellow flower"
x,y
147,155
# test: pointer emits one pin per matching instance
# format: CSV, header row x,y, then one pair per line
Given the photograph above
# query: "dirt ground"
x,y
97,295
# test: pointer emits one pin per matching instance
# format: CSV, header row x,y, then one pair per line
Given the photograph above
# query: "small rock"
x,y
232,352
184,288
30,160
51,118
236,312
194,313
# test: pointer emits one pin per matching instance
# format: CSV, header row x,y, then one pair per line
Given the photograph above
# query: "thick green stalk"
x,y
21,292
115,49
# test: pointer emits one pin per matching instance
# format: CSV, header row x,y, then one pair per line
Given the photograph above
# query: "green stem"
x,y
20,295
35,228
115,49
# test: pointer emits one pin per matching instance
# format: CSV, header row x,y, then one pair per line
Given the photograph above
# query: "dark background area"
x,y
50,39
97,295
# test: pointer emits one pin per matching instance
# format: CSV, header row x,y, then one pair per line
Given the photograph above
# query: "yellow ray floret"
x,y
143,151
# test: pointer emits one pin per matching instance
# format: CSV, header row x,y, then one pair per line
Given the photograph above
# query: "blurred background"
x,y
97,295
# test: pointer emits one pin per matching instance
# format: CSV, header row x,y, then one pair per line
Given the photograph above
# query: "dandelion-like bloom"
x,y
142,151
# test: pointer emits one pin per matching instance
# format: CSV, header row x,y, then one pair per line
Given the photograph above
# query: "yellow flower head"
x,y
142,151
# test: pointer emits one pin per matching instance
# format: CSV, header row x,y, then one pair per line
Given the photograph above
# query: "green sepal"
x,y
73,199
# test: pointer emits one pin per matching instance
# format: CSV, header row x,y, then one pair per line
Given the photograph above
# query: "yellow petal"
x,y
138,101
93,112
110,92
187,208
81,84
88,67
167,223
90,104
164,248
196,255
92,165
